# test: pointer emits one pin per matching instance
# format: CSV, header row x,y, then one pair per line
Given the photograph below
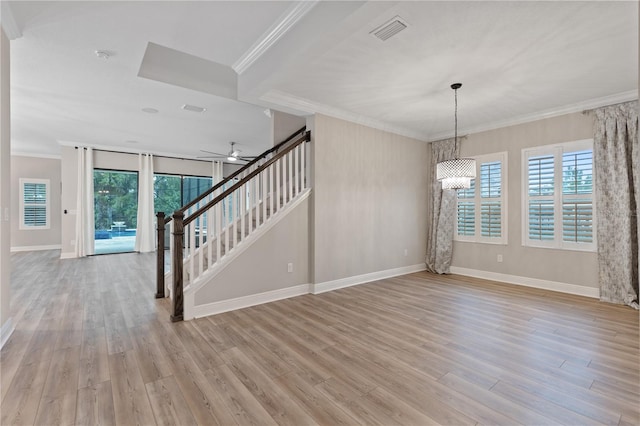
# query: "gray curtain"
x,y
442,213
617,198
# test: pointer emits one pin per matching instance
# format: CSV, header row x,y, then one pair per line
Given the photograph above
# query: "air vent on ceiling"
x,y
193,108
390,28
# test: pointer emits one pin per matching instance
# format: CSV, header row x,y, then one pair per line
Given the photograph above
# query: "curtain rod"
x,y
589,111
138,153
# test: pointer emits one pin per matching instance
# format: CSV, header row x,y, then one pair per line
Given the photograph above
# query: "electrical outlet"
x,y
289,267
499,258
406,252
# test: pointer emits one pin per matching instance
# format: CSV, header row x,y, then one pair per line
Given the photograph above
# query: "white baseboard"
x,y
365,278
247,301
529,282
36,248
6,331
68,256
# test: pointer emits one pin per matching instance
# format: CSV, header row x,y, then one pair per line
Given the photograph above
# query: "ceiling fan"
x,y
232,155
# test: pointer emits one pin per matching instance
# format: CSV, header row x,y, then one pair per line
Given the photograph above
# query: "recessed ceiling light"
x,y
150,110
193,108
103,54
131,141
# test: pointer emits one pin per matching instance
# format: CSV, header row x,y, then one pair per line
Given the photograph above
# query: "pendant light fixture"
x,y
456,173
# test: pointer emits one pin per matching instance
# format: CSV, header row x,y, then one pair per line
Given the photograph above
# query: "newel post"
x,y
160,256
178,298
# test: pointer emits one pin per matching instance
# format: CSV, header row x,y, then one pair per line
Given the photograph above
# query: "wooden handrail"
x,y
180,222
160,256
305,138
237,172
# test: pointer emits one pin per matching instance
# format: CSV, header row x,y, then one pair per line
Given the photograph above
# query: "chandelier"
x,y
456,173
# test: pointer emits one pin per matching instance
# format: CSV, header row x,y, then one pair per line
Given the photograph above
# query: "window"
x,y
481,209
558,196
34,204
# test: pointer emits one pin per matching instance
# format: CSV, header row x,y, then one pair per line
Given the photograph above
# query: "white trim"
x,y
35,155
247,301
9,24
47,183
70,255
557,151
366,278
302,105
541,115
579,290
305,106
282,26
6,331
35,248
503,158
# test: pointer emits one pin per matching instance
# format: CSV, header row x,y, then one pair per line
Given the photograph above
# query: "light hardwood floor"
x,y
92,346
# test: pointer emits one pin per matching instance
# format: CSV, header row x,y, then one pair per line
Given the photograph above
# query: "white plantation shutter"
x,y
577,197
491,203
481,215
466,222
558,189
34,204
541,176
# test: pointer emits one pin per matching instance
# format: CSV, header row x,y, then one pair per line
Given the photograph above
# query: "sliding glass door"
x,y
116,210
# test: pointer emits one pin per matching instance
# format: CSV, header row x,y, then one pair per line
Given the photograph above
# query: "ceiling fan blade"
x,y
214,153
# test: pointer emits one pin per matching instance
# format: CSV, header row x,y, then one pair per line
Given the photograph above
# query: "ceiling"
x,y
517,61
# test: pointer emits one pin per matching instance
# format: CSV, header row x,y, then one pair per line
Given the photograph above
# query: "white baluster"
x,y
296,168
192,244
242,210
303,168
290,162
272,191
218,208
277,185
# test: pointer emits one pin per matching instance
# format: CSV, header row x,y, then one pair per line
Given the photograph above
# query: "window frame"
x,y
557,151
47,205
477,200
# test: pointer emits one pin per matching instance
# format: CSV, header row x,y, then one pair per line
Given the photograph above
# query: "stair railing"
x,y
205,233
201,201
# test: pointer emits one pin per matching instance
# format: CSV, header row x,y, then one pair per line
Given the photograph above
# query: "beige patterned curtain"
x,y
616,159
442,213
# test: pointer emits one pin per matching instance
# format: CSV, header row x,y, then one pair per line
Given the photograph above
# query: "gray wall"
x,y
5,181
369,200
263,266
37,168
565,266
284,125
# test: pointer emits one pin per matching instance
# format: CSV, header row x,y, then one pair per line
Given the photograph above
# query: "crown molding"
x,y
36,155
9,24
541,115
306,106
283,25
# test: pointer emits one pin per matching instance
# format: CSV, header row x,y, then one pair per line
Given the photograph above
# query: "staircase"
x,y
210,231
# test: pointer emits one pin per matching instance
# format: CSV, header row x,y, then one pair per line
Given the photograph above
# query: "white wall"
x,y
559,266
36,168
5,189
369,200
